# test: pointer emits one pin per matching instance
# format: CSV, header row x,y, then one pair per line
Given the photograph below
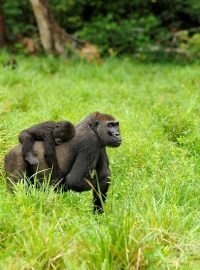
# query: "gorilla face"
x,y
63,132
109,133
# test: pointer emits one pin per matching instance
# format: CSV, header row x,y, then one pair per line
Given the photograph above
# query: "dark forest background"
x,y
116,27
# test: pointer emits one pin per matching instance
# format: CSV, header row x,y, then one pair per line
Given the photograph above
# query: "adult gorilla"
x,y
77,158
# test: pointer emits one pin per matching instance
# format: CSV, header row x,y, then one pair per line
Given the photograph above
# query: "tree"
x,y
54,39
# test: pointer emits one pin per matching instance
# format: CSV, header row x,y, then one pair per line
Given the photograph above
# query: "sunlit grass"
x,y
152,215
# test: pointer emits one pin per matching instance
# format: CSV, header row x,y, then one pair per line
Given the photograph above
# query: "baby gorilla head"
x,y
63,132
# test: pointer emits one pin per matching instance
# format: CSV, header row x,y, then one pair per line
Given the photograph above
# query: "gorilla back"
x,y
77,159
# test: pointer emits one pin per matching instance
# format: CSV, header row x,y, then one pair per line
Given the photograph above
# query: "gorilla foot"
x,y
32,160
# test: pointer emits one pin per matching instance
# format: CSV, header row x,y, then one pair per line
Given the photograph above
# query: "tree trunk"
x,y
54,39
2,30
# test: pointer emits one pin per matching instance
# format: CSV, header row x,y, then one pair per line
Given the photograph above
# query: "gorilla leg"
x,y
99,196
16,167
27,141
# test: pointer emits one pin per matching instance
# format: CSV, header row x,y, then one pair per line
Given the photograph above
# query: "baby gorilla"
x,y
52,133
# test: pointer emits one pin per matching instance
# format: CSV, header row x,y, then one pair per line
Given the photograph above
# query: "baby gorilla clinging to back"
x,y
52,133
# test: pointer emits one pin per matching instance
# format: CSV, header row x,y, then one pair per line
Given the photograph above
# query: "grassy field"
x,y
152,217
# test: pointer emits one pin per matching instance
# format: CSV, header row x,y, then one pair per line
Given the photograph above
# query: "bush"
x,y
176,123
119,37
117,27
19,19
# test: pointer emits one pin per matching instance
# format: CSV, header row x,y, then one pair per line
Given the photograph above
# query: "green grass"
x,y
152,215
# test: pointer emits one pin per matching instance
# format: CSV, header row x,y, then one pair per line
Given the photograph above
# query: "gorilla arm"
x,y
77,179
103,175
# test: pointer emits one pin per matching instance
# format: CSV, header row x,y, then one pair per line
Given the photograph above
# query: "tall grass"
x,y
152,214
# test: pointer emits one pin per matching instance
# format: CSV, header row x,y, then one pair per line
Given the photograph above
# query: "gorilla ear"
x,y
96,123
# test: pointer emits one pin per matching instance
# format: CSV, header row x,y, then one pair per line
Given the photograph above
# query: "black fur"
x,y
52,133
78,158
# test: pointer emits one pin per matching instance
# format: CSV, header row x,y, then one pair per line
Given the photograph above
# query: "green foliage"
x,y
19,19
151,218
177,14
194,44
119,37
176,122
117,27
189,43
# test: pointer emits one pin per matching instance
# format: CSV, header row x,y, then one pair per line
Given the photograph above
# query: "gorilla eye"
x,y
110,133
96,122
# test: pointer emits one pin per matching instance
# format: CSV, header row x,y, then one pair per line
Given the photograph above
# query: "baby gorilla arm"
x,y
50,156
51,133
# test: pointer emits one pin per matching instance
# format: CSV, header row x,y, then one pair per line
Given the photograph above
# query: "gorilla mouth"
x,y
116,143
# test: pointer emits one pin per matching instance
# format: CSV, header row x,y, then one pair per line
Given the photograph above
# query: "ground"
x,y
152,215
